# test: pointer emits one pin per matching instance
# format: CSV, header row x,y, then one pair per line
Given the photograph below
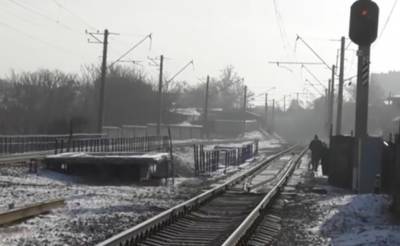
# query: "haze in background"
x,y
245,34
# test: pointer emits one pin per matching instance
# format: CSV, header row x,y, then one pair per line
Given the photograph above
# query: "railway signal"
x,y
364,22
363,31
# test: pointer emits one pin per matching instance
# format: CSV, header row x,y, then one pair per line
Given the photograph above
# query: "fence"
x,y
79,143
12,144
134,144
208,161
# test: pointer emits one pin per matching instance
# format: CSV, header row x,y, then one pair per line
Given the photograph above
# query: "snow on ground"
x,y
184,154
358,220
94,210
319,214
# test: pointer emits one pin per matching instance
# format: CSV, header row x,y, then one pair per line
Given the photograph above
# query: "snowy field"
x,y
94,210
323,215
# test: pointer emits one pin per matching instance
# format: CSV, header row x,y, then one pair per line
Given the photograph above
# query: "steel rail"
x,y
244,227
29,211
146,228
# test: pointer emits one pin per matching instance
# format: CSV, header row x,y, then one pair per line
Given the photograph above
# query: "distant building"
x,y
393,100
189,114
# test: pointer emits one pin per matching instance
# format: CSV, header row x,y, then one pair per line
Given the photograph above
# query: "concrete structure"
x,y
124,165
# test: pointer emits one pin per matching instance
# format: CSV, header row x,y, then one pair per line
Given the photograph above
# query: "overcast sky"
x,y
214,33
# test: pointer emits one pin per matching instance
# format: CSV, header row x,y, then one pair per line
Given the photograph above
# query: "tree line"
x,y
54,102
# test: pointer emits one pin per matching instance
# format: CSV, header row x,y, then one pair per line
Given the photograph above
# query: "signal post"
x,y
363,31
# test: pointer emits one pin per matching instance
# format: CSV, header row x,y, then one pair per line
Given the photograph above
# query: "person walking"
x,y
316,152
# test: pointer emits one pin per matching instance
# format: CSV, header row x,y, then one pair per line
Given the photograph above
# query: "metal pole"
x,y
273,116
266,111
100,113
284,103
328,104
244,109
326,101
160,96
362,92
245,99
332,100
361,124
205,124
340,90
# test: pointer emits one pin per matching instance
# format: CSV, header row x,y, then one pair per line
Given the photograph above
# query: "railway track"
x,y
28,211
224,215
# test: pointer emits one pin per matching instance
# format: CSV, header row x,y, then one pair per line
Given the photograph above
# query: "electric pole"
x,y
331,101
100,115
100,103
284,103
266,110
244,108
273,116
245,99
340,90
160,84
328,107
205,124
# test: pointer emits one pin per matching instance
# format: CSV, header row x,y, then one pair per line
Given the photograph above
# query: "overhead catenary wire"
x,y
281,25
314,87
44,42
74,14
313,75
313,51
39,13
180,71
21,18
149,36
388,18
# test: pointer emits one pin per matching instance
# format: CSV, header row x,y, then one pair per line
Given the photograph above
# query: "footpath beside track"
x,y
220,216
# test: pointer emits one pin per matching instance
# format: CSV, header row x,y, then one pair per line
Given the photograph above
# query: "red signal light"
x,y
364,12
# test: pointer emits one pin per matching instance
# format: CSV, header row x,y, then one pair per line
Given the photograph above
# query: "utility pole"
x,y
205,124
100,104
245,100
160,84
102,83
331,101
244,108
266,111
273,116
284,103
340,90
297,99
328,109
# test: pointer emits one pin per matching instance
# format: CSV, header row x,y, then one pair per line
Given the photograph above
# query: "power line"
x,y
39,13
149,36
74,14
281,26
388,19
59,48
23,19
313,51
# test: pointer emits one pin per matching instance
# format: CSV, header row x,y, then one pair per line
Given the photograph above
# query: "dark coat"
x,y
316,148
